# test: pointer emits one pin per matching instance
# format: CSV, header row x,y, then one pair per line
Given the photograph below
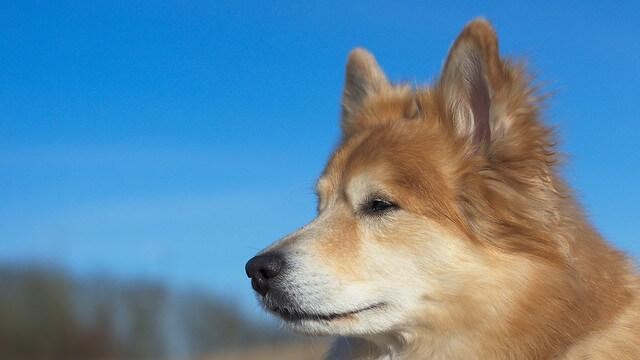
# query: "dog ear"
x,y
469,80
364,78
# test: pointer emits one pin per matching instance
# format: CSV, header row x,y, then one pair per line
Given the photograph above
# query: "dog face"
x,y
403,236
377,253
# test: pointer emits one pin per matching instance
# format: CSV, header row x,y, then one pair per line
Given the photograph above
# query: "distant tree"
x,y
47,315
37,320
144,304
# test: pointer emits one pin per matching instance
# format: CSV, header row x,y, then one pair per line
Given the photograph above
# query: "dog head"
x,y
423,207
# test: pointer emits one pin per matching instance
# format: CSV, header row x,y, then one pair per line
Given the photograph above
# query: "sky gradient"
x,y
174,139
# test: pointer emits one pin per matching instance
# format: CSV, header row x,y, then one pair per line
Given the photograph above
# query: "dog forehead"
x,y
365,182
338,164
365,159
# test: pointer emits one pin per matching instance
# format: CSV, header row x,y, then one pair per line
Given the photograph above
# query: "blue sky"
x,y
175,139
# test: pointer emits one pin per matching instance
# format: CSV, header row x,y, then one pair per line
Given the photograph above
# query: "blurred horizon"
x,y
170,141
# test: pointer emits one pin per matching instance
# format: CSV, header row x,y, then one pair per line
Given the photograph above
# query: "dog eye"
x,y
378,206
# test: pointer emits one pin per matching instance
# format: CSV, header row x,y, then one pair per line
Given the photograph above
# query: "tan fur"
x,y
501,261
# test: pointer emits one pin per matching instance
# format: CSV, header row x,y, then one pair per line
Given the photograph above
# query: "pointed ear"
x,y
469,79
364,78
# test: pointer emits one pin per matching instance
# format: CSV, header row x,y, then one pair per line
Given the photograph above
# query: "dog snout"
x,y
262,269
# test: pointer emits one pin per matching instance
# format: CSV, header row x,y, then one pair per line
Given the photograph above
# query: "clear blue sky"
x,y
175,139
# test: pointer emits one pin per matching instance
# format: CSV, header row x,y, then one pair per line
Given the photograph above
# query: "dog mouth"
x,y
294,315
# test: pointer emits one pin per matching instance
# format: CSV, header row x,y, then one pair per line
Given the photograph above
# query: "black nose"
x,y
263,268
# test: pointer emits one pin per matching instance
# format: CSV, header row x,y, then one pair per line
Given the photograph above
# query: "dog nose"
x,y
263,268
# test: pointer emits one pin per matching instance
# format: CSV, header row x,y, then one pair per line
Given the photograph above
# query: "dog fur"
x,y
480,250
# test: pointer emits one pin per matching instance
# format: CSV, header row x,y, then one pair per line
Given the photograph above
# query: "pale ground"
x,y
302,351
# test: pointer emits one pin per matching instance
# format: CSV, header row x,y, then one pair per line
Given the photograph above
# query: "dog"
x,y
444,230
